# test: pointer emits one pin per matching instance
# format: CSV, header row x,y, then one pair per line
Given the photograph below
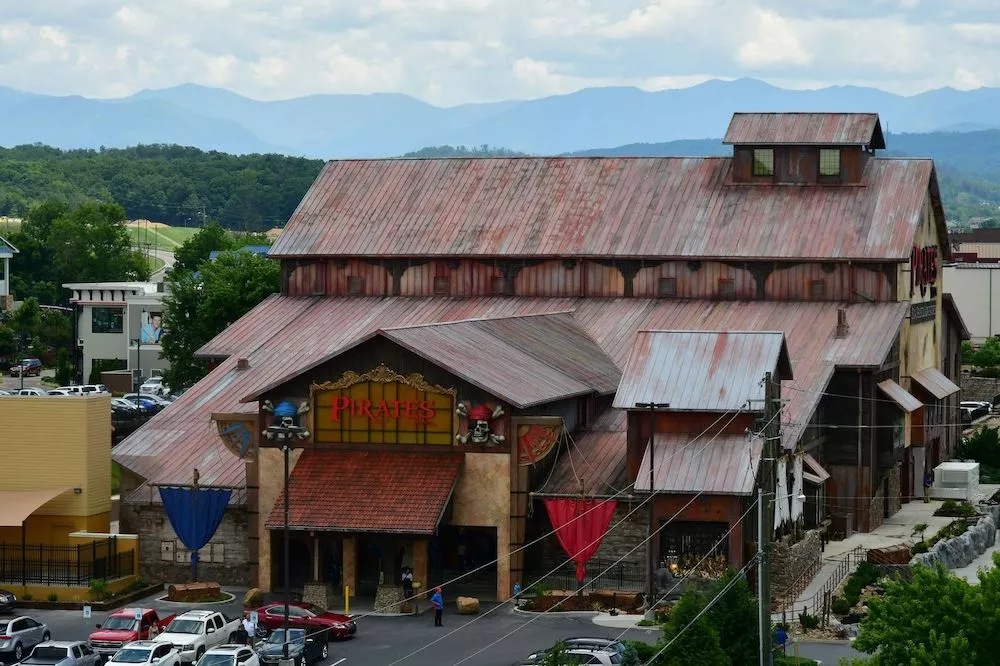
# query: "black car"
x,y
302,650
7,601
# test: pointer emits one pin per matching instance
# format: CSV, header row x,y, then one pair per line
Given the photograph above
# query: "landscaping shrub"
x,y
644,650
99,590
53,596
840,606
808,621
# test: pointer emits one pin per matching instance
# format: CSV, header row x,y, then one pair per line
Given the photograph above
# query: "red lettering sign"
x,y
418,410
923,269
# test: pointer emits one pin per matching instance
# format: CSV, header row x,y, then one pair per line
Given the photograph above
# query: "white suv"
x,y
145,652
155,386
230,655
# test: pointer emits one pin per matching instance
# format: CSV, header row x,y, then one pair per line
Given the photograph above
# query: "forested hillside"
x,y
172,184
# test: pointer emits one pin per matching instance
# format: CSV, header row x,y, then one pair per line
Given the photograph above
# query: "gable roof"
x,y
636,208
7,250
803,129
702,371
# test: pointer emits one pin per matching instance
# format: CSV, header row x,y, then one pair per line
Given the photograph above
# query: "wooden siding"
x,y
695,280
57,442
799,165
602,281
550,278
377,280
841,282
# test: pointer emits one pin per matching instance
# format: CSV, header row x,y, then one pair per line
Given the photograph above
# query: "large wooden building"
x,y
472,336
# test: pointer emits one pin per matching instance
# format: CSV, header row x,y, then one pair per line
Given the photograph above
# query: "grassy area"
x,y
116,474
163,237
792,660
155,263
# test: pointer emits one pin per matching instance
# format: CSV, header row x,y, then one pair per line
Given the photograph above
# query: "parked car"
x,y
19,635
155,399
581,655
63,653
607,644
30,390
145,652
4,393
59,392
976,409
85,389
306,616
121,628
230,655
302,650
30,367
7,601
155,386
197,631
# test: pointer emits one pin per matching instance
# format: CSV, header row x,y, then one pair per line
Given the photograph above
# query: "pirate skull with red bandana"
x,y
481,420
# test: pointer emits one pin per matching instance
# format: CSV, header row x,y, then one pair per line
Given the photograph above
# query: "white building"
x,y
7,252
119,326
976,291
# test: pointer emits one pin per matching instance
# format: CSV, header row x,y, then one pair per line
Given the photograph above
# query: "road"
x,y
167,257
385,641
828,653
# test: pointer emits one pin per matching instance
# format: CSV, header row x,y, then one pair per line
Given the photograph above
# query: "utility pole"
x,y
765,514
651,515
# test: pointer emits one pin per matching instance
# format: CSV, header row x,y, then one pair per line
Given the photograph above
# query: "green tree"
x,y
556,656
983,446
734,617
936,616
8,341
64,369
92,244
27,319
196,249
56,329
199,308
968,353
692,639
988,355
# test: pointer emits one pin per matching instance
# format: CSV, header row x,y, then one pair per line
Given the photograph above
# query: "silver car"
x,y
19,635
62,653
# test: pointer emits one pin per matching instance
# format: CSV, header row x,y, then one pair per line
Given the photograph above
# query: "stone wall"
x,y
623,535
790,561
163,558
895,499
979,388
962,550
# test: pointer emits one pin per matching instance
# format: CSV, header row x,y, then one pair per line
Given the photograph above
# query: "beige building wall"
x,y
920,343
482,499
976,290
271,481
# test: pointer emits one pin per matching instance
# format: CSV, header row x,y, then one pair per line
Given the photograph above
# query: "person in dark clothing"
x,y
407,583
928,482
438,601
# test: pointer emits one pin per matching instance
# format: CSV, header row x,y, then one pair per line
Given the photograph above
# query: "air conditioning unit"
x,y
956,480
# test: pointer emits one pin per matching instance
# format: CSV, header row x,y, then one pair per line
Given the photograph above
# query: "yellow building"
x,y
55,497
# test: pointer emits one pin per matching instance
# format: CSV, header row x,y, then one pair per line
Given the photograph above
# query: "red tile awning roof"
x,y
798,129
934,382
719,465
393,492
636,208
702,371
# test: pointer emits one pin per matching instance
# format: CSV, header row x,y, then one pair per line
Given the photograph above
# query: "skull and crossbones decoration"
x,y
286,421
481,420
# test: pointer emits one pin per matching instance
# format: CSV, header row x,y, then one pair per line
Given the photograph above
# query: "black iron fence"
x,y
601,575
80,565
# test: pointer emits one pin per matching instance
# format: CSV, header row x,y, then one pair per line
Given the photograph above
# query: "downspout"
x,y
859,500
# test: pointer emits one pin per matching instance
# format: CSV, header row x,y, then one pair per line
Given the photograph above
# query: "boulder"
x,y
194,592
467,605
253,598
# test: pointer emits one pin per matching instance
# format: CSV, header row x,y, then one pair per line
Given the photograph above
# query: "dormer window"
x,y
763,162
829,163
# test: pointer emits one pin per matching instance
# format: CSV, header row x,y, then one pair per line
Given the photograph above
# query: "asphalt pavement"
x,y
406,640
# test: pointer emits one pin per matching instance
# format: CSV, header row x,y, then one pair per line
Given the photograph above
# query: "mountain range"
x,y
382,125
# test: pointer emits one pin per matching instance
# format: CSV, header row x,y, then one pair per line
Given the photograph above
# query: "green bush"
x,y
866,574
52,596
808,621
841,606
27,597
540,589
919,547
644,650
99,590
983,446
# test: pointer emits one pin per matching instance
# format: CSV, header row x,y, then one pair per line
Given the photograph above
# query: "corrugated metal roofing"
x,y
935,382
725,465
702,371
303,331
798,129
900,396
524,361
613,207
375,491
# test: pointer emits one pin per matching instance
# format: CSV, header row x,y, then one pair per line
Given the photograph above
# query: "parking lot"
x,y
8,383
382,641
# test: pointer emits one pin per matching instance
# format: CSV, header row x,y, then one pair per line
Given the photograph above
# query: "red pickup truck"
x,y
121,627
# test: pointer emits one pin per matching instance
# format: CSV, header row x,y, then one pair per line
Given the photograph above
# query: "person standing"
x,y
407,583
250,628
438,601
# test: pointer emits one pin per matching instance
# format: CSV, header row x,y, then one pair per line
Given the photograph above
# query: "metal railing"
x,y
623,576
842,567
790,593
76,566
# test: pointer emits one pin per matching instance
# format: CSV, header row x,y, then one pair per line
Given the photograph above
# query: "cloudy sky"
x,y
454,51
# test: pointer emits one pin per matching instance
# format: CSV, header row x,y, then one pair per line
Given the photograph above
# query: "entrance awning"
x,y
389,492
17,505
906,401
725,466
935,383
812,471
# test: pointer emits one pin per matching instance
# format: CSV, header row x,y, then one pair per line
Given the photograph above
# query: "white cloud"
x,y
454,51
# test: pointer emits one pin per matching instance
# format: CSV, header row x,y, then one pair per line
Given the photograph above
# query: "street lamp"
x,y
651,564
285,429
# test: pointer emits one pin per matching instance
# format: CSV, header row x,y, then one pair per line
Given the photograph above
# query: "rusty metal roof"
x,y
803,129
935,383
524,360
594,463
664,207
702,371
900,396
183,436
723,465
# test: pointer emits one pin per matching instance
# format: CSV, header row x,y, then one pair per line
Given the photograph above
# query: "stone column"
x,y
350,575
420,566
